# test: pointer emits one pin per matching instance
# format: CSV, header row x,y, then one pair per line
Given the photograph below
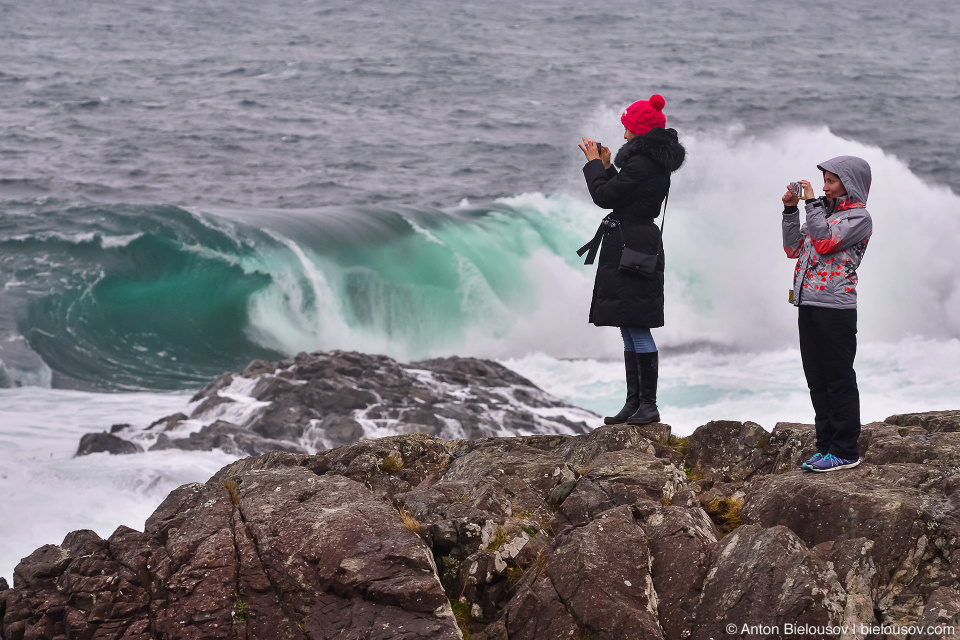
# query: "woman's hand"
x,y
807,190
789,199
605,156
589,148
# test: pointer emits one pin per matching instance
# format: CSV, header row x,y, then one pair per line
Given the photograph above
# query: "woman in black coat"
x,y
632,299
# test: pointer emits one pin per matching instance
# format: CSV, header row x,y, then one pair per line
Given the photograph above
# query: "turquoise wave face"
x,y
130,297
161,317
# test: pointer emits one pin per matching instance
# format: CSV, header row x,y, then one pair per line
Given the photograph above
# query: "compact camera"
x,y
796,189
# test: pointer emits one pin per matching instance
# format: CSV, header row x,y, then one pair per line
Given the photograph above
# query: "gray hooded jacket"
x,y
831,244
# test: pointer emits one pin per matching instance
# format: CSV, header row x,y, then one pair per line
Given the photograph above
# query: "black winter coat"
x,y
635,193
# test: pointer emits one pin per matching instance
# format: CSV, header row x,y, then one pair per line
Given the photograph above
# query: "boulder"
x,y
766,577
277,552
106,442
617,478
908,512
731,452
680,540
597,582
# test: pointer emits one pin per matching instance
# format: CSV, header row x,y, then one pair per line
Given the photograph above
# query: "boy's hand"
x,y
790,200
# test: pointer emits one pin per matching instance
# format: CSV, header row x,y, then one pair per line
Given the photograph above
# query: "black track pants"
x,y
828,345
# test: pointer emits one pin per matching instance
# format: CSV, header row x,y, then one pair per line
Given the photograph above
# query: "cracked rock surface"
x,y
623,532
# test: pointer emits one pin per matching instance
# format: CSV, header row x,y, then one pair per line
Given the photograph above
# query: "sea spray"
x,y
765,387
159,297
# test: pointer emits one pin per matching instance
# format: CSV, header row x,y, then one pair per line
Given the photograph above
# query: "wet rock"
x,y
105,442
166,424
340,429
323,400
226,437
259,367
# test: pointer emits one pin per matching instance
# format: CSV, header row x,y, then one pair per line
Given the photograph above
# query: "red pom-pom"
x,y
657,102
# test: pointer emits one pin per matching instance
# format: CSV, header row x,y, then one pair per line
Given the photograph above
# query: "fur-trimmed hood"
x,y
660,145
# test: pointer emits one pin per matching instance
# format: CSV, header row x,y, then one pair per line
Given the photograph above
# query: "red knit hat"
x,y
644,115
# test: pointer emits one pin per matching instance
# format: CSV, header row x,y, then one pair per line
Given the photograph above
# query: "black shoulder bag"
x,y
638,261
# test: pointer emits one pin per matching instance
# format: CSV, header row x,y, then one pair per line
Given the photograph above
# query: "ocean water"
x,y
185,187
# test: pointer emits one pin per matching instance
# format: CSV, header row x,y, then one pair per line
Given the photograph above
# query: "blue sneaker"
x,y
831,462
814,458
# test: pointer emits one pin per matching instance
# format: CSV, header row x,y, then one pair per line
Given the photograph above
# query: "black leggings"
x,y
828,345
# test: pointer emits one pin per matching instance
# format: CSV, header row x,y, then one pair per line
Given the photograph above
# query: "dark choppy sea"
x,y
186,186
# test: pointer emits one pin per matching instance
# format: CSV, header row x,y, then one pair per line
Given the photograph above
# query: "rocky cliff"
x,y
623,532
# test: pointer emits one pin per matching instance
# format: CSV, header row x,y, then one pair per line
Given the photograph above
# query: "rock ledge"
x,y
624,532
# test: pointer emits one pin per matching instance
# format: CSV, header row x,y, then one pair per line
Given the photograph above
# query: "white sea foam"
x,y
239,408
88,237
113,242
764,387
45,492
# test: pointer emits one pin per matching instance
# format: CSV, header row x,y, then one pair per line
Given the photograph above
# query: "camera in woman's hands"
x,y
796,189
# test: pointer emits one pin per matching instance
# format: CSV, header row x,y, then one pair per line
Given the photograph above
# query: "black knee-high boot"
x,y
648,364
633,390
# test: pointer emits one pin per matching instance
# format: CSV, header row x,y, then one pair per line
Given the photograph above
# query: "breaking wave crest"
x,y
134,297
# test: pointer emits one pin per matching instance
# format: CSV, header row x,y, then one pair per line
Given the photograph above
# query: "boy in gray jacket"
x,y
829,248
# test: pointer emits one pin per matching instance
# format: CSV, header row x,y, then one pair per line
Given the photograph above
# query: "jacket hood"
x,y
854,173
660,145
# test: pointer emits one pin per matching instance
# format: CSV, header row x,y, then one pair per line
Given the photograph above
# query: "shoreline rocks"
x,y
622,532
323,400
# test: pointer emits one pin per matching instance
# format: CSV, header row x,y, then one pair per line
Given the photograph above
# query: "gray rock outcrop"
x,y
625,532
324,400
